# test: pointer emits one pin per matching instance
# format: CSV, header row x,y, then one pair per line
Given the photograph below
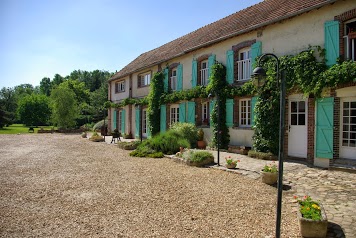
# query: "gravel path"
x,y
65,186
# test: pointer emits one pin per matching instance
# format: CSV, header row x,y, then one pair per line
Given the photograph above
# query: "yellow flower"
x,y
316,206
308,208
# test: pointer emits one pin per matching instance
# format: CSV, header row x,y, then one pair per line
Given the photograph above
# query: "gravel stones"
x,y
66,186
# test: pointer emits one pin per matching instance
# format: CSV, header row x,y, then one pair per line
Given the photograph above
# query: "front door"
x,y
297,127
348,128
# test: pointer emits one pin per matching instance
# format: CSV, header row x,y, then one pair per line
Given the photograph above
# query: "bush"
x,y
128,145
187,131
146,151
261,155
198,158
99,124
168,142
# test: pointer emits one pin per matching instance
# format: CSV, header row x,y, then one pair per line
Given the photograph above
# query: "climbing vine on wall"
x,y
216,86
154,102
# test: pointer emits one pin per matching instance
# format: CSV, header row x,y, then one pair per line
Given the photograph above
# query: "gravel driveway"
x,y
65,186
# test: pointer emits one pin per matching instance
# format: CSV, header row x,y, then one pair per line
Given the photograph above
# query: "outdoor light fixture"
x,y
259,75
211,95
259,72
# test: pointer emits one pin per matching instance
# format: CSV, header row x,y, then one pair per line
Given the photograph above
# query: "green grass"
x,y
20,128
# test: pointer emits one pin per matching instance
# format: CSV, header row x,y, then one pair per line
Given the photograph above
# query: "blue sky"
x,y
39,38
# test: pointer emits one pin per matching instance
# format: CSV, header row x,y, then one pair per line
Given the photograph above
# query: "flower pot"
x,y
311,228
230,166
201,144
269,178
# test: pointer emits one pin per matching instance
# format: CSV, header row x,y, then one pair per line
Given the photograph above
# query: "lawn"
x,y
20,128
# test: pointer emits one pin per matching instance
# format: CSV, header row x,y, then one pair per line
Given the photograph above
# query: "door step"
x,y
346,165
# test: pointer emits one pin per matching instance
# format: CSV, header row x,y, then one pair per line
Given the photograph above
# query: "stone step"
x,y
349,162
344,168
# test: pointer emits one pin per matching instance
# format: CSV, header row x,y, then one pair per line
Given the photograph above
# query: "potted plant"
x,y
230,163
312,218
201,142
269,174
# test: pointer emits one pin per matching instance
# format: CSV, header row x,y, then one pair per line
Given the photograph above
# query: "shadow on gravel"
x,y
335,230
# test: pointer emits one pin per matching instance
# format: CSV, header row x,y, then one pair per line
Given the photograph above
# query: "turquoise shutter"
x,y
137,123
211,107
123,121
194,73
256,50
211,62
191,112
331,42
229,112
180,77
182,112
324,128
148,126
165,82
115,120
253,114
163,118
230,66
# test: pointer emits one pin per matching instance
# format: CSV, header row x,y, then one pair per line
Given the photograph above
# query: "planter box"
x,y
230,166
243,150
310,228
269,178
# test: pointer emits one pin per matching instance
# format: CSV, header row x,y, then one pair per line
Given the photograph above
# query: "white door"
x,y
297,127
348,128
144,123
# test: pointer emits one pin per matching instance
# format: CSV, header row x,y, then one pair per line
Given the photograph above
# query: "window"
x,y
349,123
144,79
245,112
174,79
174,114
205,113
120,87
297,113
350,40
244,65
204,72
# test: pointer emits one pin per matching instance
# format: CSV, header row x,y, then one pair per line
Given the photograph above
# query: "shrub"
x,y
128,145
261,155
201,156
99,124
187,130
168,142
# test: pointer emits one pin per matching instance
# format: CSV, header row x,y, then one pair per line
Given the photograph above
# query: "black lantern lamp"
x,y
259,74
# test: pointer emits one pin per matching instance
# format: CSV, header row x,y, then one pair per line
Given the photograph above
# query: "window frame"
x,y
143,81
207,113
174,79
245,115
349,42
175,118
206,72
120,86
241,60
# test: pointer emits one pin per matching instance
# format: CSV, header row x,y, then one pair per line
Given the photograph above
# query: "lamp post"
x,y
259,71
211,95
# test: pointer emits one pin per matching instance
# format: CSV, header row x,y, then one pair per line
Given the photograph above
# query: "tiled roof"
x,y
251,18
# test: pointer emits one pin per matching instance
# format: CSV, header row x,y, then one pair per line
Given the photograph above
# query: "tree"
x,y
57,80
34,110
46,86
64,107
8,105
